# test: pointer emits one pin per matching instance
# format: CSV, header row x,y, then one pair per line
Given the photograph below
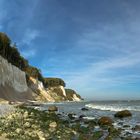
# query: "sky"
x,y
93,45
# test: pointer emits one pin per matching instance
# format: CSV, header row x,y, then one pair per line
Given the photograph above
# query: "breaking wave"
x,y
113,107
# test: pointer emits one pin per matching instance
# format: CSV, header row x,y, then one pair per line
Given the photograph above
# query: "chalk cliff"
x,y
14,87
13,84
12,76
52,94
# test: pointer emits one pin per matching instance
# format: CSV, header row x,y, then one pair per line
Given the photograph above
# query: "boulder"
x,y
105,121
71,116
52,108
84,109
123,113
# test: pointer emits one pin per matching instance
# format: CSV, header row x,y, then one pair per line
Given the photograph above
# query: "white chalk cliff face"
x,y
38,87
12,76
63,90
76,98
51,94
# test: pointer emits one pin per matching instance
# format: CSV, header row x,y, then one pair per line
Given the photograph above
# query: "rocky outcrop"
x,y
50,94
38,88
57,93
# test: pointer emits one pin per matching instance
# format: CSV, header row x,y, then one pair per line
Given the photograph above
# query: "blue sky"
x,y
93,45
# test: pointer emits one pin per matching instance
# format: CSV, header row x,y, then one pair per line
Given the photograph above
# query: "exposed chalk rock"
x,y
38,87
76,98
12,76
53,94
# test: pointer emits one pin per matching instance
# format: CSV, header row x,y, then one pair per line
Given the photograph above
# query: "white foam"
x,y
89,118
112,108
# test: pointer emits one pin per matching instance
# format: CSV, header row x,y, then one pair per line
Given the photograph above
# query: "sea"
x,y
97,109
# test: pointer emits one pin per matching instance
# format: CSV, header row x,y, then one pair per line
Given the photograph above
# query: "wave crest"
x,y
113,108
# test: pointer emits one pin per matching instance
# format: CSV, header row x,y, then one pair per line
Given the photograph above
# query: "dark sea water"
x,y
98,109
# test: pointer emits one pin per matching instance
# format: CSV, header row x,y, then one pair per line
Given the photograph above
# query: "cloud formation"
x,y
29,36
92,45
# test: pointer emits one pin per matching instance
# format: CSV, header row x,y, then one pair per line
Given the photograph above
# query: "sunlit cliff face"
x,y
12,76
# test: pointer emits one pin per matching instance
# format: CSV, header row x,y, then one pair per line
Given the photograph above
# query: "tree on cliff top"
x,y
34,72
4,44
11,53
51,82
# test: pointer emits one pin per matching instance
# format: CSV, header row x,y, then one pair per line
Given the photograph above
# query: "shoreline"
x,y
78,127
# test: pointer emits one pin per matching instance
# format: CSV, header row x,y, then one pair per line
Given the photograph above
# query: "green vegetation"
x,y
51,82
34,72
11,53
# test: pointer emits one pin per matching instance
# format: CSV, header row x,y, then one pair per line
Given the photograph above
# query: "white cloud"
x,y
27,41
97,74
114,38
29,36
122,52
28,53
118,45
